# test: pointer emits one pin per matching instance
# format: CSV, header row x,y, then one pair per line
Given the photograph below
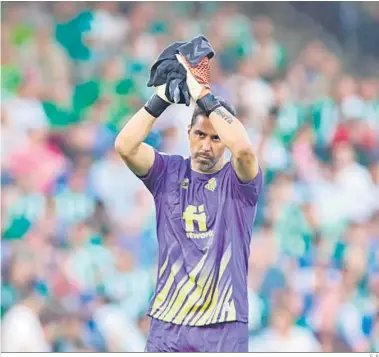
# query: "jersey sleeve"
x,y
155,178
247,192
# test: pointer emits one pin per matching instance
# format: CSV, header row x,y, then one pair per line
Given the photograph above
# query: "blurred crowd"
x,y
78,248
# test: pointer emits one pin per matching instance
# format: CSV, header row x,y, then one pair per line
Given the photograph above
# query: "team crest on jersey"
x,y
185,183
211,185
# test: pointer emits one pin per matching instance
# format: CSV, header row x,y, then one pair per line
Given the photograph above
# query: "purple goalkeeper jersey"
x,y
204,226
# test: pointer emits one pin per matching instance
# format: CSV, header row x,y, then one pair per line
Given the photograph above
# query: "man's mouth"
x,y
204,157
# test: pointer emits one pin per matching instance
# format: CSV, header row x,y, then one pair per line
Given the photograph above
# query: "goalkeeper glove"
x,y
198,78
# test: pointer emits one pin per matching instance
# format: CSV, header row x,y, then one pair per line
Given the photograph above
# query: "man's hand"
x,y
198,77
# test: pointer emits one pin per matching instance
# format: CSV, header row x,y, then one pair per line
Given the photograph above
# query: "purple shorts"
x,y
221,337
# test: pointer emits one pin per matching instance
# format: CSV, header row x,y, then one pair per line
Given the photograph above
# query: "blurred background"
x,y
78,255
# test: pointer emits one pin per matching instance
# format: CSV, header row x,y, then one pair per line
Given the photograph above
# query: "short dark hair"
x,y
198,111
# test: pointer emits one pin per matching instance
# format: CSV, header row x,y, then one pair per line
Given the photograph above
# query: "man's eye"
x,y
201,135
216,138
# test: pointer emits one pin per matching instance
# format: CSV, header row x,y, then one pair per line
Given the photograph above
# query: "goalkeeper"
x,y
205,207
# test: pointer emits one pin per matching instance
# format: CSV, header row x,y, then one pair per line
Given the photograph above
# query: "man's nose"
x,y
207,144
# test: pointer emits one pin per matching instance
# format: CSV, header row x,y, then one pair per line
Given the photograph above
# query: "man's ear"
x,y
188,130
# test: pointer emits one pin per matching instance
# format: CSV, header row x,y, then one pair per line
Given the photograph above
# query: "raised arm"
x,y
233,134
138,156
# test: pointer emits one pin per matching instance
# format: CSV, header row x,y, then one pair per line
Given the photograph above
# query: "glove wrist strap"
x,y
155,106
208,103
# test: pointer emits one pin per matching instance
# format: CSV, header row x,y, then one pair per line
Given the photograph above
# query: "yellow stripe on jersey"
x,y
168,303
194,297
208,287
161,297
221,300
206,304
211,302
182,292
221,305
163,267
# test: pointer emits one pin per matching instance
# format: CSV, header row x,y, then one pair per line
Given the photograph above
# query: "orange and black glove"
x,y
198,82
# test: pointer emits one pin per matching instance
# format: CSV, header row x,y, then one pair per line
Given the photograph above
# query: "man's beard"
x,y
205,162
